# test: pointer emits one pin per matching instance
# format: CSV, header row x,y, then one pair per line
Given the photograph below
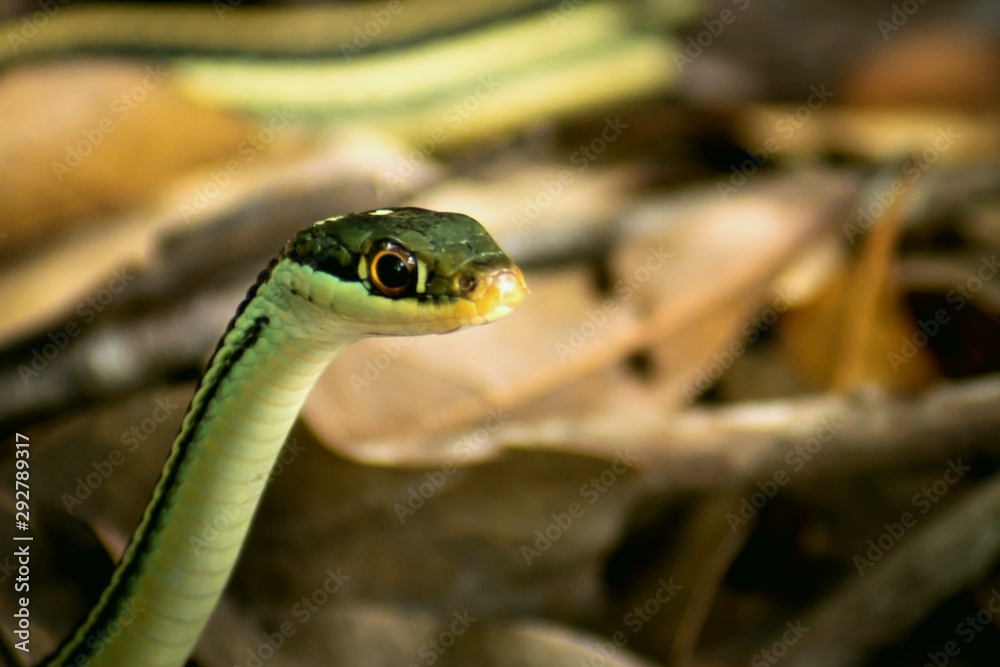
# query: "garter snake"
x,y
403,271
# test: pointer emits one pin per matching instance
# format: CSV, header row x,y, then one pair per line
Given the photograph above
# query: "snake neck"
x,y
180,557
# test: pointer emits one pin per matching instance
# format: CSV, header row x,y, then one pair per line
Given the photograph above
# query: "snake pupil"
x,y
392,272
392,269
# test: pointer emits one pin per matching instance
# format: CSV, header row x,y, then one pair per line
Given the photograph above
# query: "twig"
x,y
721,448
922,571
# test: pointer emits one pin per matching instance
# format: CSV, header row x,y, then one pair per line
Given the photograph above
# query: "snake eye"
x,y
392,269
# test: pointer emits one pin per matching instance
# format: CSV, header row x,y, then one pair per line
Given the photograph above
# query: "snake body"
x,y
400,271
434,69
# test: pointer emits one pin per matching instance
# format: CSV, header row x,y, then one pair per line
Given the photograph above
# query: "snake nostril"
x,y
467,283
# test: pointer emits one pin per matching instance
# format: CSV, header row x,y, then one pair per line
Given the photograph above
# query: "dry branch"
x,y
926,568
720,448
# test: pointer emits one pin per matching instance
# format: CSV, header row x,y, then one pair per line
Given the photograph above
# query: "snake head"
x,y
399,271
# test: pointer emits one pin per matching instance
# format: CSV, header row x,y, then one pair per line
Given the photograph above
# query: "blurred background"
x,y
747,414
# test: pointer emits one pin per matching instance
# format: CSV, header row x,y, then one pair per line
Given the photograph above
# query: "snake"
x,y
386,272
416,70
